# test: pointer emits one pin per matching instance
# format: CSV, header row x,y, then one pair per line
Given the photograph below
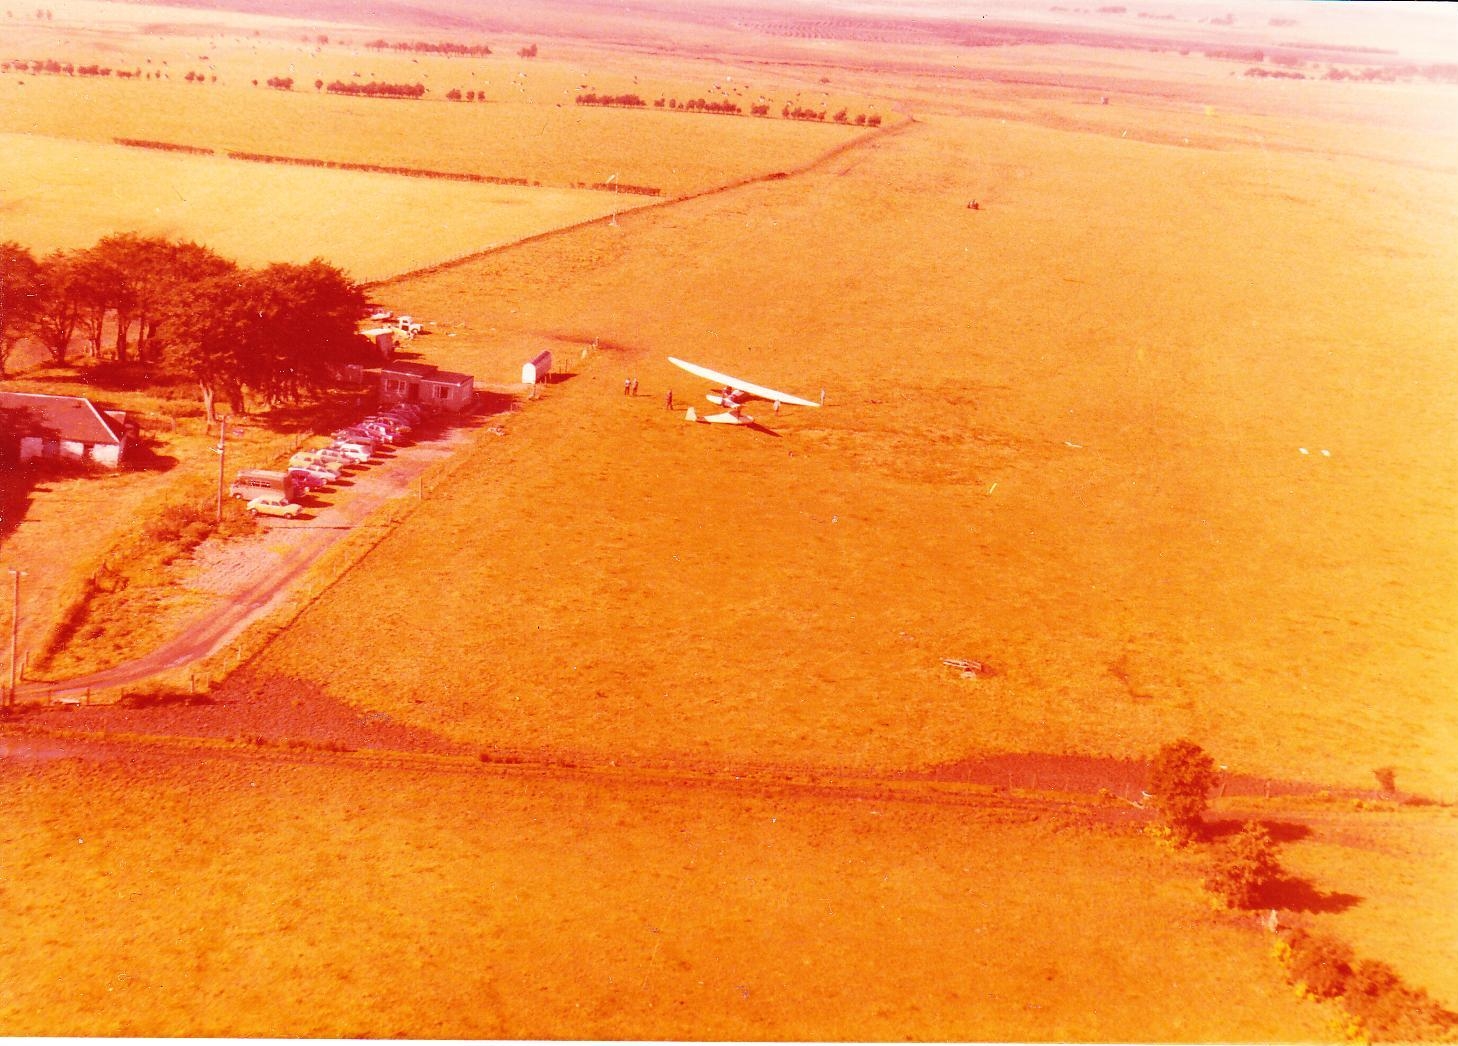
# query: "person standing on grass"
x,y
627,386
668,400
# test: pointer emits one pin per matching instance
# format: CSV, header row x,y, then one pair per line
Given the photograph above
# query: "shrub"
x,y
1381,1006
1180,779
1391,1010
1387,779
161,696
1245,869
1321,962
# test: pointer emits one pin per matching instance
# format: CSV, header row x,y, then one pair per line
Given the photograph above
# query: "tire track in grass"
x,y
818,162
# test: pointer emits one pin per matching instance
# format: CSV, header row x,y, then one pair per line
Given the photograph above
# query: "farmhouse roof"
x,y
72,418
446,377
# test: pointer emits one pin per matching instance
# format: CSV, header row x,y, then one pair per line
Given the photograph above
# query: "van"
x,y
253,483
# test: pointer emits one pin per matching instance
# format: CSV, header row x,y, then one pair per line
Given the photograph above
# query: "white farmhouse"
x,y
63,428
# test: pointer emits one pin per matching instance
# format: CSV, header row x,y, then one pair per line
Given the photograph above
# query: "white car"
x,y
366,443
273,505
351,452
328,457
312,460
374,430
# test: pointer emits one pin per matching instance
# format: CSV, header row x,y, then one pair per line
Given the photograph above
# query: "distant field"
x,y
528,128
69,194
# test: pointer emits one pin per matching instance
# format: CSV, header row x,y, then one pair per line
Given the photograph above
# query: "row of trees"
x,y
630,100
723,108
51,67
276,332
375,89
700,105
426,48
1447,73
1275,74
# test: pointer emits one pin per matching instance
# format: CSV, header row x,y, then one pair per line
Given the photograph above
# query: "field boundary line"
x,y
808,780
871,135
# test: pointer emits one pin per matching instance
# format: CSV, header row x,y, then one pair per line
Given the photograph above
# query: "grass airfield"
x,y
1063,434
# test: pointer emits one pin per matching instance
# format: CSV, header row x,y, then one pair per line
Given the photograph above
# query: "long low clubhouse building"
x,y
426,385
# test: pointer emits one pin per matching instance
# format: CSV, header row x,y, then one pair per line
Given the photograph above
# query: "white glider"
x,y
733,394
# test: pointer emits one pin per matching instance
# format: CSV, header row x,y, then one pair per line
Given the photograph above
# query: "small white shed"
x,y
536,370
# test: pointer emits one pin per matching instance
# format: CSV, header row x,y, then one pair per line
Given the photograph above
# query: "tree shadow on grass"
x,y
1294,894
1280,831
16,488
325,416
131,376
487,403
599,344
142,456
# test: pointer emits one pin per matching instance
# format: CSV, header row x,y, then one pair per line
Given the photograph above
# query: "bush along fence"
x,y
378,168
171,147
636,190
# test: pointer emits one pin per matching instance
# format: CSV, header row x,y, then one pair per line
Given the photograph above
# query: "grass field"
x,y
529,127
256,213
1161,432
468,905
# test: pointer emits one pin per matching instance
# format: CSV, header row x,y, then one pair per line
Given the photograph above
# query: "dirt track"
x,y
254,576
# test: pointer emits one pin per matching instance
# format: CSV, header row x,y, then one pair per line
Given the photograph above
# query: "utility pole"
x,y
222,461
14,632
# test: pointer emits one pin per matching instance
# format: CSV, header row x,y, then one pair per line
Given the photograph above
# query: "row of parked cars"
x,y
276,493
